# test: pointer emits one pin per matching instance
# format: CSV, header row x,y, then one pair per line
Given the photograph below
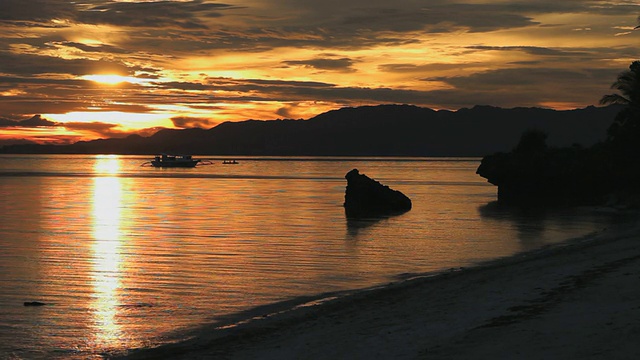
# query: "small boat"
x,y
229,162
165,160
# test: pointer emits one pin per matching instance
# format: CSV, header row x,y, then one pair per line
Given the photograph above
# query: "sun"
x,y
112,79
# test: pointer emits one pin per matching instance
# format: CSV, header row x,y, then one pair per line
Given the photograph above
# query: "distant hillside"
x,y
14,142
384,130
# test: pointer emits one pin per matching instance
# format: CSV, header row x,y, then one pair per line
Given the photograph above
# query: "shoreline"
x,y
555,302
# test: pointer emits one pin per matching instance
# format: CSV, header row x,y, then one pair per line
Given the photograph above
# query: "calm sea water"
x,y
128,256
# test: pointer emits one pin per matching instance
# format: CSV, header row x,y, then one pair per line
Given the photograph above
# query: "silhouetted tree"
x,y
532,141
628,83
627,122
624,133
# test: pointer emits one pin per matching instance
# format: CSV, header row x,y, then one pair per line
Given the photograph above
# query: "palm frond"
x,y
614,99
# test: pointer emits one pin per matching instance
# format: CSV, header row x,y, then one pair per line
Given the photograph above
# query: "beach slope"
x,y
578,300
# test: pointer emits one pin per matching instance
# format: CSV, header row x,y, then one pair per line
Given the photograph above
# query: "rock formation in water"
x,y
534,174
34,303
366,197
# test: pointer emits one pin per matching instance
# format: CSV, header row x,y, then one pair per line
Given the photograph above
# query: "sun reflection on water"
x,y
107,164
107,261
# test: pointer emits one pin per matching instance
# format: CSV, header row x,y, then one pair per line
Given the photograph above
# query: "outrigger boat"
x,y
183,161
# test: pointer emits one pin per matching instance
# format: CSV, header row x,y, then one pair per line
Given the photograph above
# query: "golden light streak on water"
x,y
107,164
107,259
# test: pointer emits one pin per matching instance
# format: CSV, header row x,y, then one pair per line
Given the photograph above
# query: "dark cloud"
x,y
292,91
521,86
183,85
405,15
7,122
108,49
421,68
243,90
147,131
364,23
183,26
332,64
441,18
258,39
35,121
186,122
504,87
15,107
68,101
358,95
146,75
285,112
285,83
35,10
289,111
525,62
179,27
153,14
108,130
532,50
357,28
27,64
156,14
527,78
526,86
238,85
102,130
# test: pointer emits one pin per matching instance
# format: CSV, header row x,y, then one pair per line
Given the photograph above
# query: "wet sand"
x,y
578,300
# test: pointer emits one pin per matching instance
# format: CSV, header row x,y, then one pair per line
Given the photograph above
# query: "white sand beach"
x,y
577,300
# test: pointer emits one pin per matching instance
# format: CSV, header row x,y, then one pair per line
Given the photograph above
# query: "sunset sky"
x,y
99,68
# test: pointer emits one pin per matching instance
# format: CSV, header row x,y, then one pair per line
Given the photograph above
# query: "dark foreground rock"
x,y
560,177
366,197
34,303
534,174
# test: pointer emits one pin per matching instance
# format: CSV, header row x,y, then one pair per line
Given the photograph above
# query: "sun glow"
x,y
127,121
114,79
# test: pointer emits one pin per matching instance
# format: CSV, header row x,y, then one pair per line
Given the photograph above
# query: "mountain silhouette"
x,y
383,130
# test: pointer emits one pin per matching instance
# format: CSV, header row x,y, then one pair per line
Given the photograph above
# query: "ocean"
x,y
129,256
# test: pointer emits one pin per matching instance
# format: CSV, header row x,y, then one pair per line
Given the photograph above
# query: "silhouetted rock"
x,y
34,303
366,197
533,174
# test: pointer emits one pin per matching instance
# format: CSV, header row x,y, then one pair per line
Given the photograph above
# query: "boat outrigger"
x,y
183,161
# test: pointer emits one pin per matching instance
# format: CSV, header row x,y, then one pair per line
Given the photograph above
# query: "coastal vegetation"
x,y
604,173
